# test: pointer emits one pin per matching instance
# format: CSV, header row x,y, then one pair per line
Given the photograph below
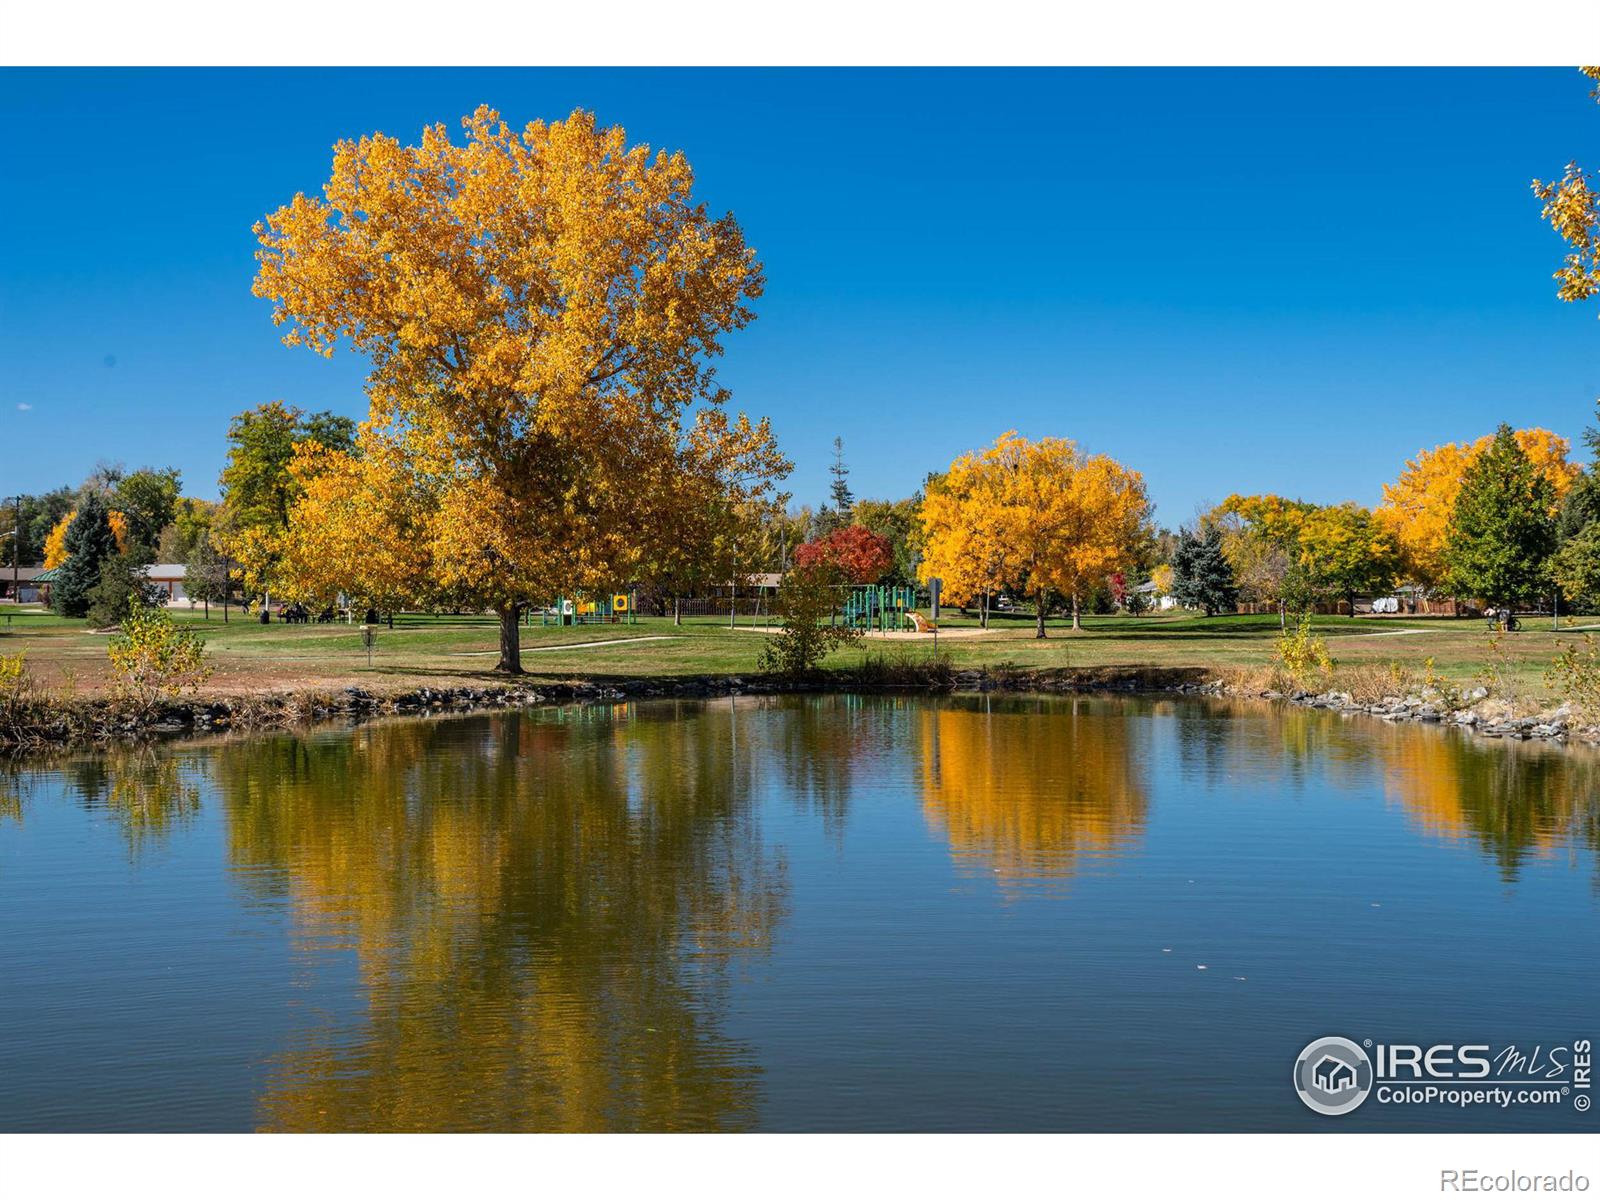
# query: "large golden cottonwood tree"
x,y
540,308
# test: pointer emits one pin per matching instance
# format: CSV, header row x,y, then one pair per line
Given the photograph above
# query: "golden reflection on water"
x,y
543,912
1029,794
542,930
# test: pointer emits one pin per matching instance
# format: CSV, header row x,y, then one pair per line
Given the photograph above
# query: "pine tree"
x,y
1503,530
841,500
89,542
1201,575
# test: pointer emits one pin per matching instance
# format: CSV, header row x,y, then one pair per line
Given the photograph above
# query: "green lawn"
x,y
249,656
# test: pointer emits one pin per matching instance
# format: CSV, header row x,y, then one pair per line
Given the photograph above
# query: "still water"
x,y
819,913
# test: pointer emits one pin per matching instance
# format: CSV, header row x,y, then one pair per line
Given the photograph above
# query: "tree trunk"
x,y
1076,623
677,611
983,613
1038,629
1283,620
510,640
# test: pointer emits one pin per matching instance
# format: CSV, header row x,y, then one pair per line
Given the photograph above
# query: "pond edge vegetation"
x,y
34,720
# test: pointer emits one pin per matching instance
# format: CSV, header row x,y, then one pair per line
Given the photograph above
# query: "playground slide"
x,y
920,622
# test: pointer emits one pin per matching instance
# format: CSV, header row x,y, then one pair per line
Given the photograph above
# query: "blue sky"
x,y
1232,280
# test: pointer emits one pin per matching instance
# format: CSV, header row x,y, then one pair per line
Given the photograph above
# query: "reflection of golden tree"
x,y
149,791
1030,791
542,909
1514,800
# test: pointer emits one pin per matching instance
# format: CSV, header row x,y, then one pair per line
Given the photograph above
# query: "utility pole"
x,y
16,554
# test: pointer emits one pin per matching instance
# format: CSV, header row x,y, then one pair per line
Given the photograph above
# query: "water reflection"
x,y
1515,801
542,918
1026,790
551,920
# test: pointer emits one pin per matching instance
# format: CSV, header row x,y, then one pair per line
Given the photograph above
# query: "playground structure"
x,y
618,608
877,608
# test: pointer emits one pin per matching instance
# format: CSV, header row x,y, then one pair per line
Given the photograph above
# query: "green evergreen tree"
x,y
89,542
840,509
123,588
1201,575
1503,530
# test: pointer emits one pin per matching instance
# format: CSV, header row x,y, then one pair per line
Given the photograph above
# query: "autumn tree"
x,y
896,522
706,485
1261,541
861,555
1065,520
30,518
536,307
191,524
258,488
1503,530
55,542
1419,506
1572,206
1347,553
963,533
360,526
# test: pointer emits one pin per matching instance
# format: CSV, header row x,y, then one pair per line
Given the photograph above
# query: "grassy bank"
x,y
251,659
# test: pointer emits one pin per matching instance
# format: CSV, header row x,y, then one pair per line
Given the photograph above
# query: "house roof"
x,y
22,574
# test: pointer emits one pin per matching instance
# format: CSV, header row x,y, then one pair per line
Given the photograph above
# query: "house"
x,y
1154,597
31,585
168,577
1334,1076
25,585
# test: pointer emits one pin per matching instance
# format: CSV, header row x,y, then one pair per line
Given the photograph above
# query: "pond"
x,y
798,913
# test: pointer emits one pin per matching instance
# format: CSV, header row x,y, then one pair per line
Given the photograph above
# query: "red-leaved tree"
x,y
862,555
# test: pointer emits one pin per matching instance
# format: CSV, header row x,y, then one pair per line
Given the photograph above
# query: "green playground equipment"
x,y
612,609
878,608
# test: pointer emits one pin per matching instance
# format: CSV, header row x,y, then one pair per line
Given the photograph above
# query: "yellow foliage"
x,y
361,526
1417,507
55,543
154,659
1043,514
540,308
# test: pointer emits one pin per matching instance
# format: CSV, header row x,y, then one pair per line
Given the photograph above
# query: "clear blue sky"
x,y
1231,280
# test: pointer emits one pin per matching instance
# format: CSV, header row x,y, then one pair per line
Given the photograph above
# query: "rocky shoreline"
x,y
101,722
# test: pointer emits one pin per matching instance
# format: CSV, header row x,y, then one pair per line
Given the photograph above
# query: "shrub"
x,y
1303,654
155,659
1575,676
904,668
123,588
21,698
805,604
